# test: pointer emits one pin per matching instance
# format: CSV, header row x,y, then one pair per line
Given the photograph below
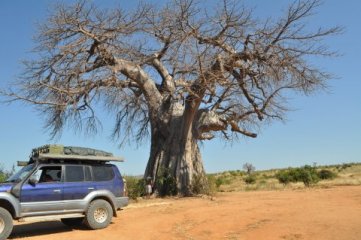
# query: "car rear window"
x,y
103,173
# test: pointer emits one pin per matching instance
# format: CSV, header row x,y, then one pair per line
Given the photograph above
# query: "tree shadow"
x,y
38,229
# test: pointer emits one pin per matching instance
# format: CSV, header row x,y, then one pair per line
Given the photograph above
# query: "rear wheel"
x,y
71,222
6,224
99,214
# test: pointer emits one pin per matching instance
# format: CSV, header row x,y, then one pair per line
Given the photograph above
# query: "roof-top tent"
x,y
60,153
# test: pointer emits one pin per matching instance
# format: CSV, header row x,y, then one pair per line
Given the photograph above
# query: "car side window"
x,y
103,173
48,174
74,174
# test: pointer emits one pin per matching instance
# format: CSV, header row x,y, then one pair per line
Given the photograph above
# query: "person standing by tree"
x,y
148,187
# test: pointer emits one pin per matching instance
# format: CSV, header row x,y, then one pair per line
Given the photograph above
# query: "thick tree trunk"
x,y
175,161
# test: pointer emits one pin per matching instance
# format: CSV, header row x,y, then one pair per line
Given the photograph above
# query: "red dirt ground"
x,y
332,213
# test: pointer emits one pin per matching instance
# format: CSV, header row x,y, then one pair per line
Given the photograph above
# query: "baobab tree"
x,y
180,73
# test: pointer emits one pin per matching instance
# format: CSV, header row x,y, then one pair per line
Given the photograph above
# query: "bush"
x,y
284,177
222,180
250,179
219,182
6,174
135,186
200,185
212,186
307,174
326,174
346,165
166,184
3,177
235,173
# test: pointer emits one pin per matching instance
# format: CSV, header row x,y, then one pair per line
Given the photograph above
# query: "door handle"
x,y
57,191
90,188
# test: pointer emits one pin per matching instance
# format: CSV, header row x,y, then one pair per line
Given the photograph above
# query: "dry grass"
x,y
233,181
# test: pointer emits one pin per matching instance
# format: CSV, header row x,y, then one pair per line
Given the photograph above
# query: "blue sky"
x,y
323,128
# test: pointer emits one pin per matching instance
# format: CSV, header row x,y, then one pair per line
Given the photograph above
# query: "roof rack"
x,y
71,153
47,156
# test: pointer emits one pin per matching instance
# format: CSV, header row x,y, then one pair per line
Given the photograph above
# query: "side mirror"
x,y
33,181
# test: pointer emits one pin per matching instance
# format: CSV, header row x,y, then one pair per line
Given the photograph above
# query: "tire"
x,y
6,224
99,214
71,222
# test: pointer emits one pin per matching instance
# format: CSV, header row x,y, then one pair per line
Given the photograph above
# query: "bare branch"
x,y
219,71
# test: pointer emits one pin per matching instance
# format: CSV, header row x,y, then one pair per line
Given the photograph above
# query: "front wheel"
x,y
99,214
6,224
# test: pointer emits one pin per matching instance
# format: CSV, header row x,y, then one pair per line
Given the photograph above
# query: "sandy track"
x,y
333,213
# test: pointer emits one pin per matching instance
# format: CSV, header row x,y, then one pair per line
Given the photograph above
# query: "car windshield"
x,y
20,175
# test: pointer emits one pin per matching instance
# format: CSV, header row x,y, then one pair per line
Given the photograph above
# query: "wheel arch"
x,y
109,200
8,206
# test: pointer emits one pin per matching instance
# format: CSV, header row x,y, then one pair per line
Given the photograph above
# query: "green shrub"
x,y
345,165
166,184
235,173
3,177
135,186
204,185
250,179
284,177
222,180
200,185
5,174
263,182
212,187
307,174
219,182
325,174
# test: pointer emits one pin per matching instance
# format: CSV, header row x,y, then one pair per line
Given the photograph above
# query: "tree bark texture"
x,y
174,154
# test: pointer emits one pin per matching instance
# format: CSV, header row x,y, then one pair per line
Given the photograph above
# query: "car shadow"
x,y
39,228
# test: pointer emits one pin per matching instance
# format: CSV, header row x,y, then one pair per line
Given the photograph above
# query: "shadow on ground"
x,y
38,229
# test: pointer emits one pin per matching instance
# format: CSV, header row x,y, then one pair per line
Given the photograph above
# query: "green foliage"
x,y
212,186
3,177
6,174
136,187
222,180
263,182
235,173
204,185
325,174
307,174
345,166
285,176
250,179
166,184
219,182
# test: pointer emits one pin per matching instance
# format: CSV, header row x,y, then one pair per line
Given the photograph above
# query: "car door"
x,y
46,191
77,185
